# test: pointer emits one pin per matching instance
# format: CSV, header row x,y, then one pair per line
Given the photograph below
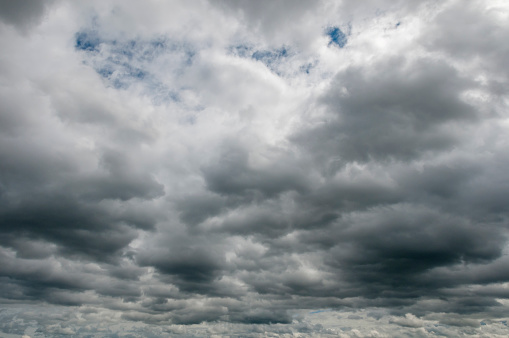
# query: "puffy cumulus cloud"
x,y
253,168
408,321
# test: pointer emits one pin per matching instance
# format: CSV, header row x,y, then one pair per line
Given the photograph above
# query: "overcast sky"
x,y
254,168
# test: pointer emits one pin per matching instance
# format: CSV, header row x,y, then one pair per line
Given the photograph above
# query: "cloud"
x,y
408,321
395,109
23,15
253,168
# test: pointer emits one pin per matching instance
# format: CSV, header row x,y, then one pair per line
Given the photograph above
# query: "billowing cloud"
x,y
253,168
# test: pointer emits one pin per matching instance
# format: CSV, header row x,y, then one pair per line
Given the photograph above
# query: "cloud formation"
x,y
253,168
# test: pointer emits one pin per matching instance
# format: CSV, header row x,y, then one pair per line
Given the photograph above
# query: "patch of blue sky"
x,y
87,40
271,58
105,71
161,93
306,68
241,50
123,76
125,63
336,37
283,61
320,311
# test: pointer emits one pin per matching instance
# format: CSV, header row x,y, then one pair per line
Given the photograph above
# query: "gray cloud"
x,y
24,14
226,170
395,109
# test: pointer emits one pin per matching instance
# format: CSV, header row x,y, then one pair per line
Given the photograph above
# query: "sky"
x,y
287,168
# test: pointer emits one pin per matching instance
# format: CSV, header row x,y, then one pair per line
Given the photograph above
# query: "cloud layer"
x,y
254,168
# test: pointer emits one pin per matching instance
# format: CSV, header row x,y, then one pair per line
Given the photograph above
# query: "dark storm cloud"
x,y
392,109
49,194
193,266
392,247
62,282
261,316
77,224
196,208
